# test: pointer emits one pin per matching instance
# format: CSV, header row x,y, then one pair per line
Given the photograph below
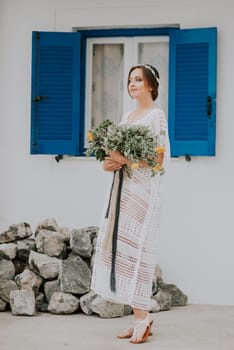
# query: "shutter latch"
x,y
39,98
208,106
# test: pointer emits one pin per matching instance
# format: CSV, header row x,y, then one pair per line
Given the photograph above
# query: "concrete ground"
x,y
193,327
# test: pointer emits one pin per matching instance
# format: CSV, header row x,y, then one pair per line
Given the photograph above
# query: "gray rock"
x,y
127,310
43,306
74,275
157,280
29,280
164,300
66,233
154,306
47,224
6,286
4,256
46,266
178,297
158,272
50,243
23,302
86,302
40,300
7,269
107,309
80,243
63,303
92,231
24,246
8,249
50,287
3,305
19,266
21,230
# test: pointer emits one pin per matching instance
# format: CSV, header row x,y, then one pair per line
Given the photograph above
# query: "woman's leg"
x,y
139,314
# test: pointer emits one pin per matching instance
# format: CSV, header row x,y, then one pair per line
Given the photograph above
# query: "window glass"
x,y
107,83
156,53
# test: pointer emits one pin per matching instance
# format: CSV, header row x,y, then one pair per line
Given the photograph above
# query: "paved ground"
x,y
193,327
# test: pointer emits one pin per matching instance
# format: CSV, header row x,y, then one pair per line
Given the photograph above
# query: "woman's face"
x,y
137,84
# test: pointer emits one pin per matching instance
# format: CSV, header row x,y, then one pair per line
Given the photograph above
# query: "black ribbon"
x,y
116,224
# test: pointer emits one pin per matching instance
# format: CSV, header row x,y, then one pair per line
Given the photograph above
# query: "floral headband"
x,y
152,71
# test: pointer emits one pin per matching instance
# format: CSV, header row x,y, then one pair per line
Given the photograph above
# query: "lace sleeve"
x,y
159,126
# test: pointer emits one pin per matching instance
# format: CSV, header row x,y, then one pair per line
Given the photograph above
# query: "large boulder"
x,y
6,286
86,302
50,287
74,275
3,305
19,231
23,302
178,297
46,266
80,243
164,300
29,280
50,243
8,250
24,246
7,269
63,303
47,224
107,309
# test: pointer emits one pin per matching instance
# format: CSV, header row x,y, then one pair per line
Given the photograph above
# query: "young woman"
x,y
139,214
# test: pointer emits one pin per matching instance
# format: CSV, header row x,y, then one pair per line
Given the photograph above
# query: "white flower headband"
x,y
152,71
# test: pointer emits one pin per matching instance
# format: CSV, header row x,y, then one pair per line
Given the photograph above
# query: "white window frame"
x,y
130,58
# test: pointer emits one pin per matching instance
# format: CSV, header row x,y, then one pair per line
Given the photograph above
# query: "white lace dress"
x,y
138,230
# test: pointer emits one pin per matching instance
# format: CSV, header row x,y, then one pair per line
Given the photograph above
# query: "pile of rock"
x,y
50,271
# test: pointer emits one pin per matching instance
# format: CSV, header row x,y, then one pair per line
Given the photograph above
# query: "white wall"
x,y
197,220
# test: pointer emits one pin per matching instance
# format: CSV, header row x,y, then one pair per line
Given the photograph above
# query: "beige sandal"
x,y
141,330
127,333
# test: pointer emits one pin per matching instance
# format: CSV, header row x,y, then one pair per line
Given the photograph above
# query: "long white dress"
x,y
138,229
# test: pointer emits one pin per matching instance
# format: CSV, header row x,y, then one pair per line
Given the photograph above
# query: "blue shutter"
x,y
55,113
192,91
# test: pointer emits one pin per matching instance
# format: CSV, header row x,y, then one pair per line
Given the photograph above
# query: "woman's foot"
x,y
141,331
127,333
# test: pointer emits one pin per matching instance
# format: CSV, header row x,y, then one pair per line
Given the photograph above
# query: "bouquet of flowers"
x,y
136,143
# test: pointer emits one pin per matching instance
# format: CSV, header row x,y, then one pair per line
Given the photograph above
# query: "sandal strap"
x,y
145,321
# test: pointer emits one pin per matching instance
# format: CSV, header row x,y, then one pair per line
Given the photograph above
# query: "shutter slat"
x,y
56,74
192,58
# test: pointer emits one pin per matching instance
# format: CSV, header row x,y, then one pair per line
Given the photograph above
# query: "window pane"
x,y
107,83
157,54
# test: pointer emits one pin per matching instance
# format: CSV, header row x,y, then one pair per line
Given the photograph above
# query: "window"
x,y
107,64
79,79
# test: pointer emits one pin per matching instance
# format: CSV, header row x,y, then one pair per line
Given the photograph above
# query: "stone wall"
x,y
49,270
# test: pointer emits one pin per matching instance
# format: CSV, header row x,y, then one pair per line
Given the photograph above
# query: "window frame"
x,y
131,50
112,34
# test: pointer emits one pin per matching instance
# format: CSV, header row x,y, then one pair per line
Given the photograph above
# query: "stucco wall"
x,y
196,244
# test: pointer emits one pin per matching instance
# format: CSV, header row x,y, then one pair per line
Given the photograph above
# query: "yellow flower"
x,y
90,136
157,168
160,149
134,166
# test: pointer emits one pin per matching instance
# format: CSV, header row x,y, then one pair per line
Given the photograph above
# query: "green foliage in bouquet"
x,y
136,143
97,139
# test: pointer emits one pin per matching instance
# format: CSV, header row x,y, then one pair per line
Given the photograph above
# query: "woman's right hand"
x,y
110,165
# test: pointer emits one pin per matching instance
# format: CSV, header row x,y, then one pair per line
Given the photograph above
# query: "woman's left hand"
x,y
117,157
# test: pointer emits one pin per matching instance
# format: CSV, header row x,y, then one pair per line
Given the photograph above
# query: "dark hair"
x,y
151,75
